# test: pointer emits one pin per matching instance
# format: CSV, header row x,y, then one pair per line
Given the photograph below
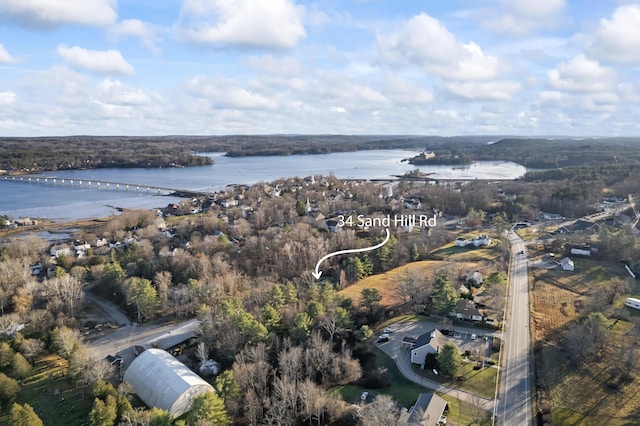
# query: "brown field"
x,y
579,396
554,307
385,283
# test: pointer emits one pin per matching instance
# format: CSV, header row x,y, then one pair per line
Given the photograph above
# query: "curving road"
x,y
514,407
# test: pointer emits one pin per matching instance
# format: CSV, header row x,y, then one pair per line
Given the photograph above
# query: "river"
x,y
69,203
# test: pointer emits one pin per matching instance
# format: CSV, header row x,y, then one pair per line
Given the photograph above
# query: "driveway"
x,y
402,357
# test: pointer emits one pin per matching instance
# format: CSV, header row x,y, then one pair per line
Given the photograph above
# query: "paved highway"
x,y
514,407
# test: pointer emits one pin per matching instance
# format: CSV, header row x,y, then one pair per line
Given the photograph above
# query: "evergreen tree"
x,y
210,408
444,295
370,299
103,413
449,359
271,318
144,296
23,415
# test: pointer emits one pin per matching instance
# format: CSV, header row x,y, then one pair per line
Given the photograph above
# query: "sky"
x,y
216,67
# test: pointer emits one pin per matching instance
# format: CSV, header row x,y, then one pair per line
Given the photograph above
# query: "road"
x,y
125,337
514,407
110,311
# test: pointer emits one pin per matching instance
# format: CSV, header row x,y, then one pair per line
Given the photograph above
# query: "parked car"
x,y
384,337
387,330
364,396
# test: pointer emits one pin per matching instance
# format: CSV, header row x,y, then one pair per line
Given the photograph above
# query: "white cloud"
x,y
426,42
582,74
252,23
404,92
146,32
221,93
534,10
618,39
7,97
521,17
48,13
5,57
116,93
484,90
98,61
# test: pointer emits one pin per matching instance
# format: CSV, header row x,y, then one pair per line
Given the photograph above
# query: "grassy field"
x,y
385,283
56,401
580,396
468,254
480,382
405,392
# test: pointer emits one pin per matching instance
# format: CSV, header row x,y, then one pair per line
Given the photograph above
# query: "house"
x,y
482,240
60,250
333,225
461,242
474,278
466,310
633,302
581,251
101,242
567,264
428,410
413,204
428,343
549,216
228,203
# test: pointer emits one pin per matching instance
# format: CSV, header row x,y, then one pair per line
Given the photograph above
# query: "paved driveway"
x,y
402,357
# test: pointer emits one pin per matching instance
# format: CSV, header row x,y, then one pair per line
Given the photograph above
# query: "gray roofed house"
x,y
427,411
466,309
428,343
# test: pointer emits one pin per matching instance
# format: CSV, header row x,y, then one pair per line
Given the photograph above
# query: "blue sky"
x,y
149,67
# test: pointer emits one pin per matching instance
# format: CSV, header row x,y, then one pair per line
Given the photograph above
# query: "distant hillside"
x,y
86,152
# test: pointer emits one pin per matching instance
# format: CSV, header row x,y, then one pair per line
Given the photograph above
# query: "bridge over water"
x,y
100,184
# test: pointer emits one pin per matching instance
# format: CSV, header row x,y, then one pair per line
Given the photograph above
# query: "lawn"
x,y
405,392
468,254
56,401
480,382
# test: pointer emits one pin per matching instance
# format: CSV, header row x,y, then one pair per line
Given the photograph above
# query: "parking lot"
x,y
476,342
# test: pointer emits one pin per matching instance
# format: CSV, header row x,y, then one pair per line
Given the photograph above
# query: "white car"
x,y
387,330
364,396
384,337
473,337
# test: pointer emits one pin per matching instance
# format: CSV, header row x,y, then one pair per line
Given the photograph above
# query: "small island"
x,y
429,157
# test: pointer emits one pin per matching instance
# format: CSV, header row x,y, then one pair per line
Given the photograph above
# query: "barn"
x,y
160,380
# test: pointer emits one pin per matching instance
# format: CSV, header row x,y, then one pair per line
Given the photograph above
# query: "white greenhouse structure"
x,y
161,381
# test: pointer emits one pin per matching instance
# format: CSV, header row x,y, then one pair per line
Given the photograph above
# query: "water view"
x,y
67,203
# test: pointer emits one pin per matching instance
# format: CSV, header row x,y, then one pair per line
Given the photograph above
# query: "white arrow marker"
x,y
318,273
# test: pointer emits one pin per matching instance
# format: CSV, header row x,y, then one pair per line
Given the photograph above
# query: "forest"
x,y
85,152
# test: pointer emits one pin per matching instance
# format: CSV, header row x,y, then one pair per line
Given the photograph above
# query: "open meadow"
x,y
592,393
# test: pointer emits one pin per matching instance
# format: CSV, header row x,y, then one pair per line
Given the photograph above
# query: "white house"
x,y
567,264
461,242
632,302
60,250
581,251
428,343
482,240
